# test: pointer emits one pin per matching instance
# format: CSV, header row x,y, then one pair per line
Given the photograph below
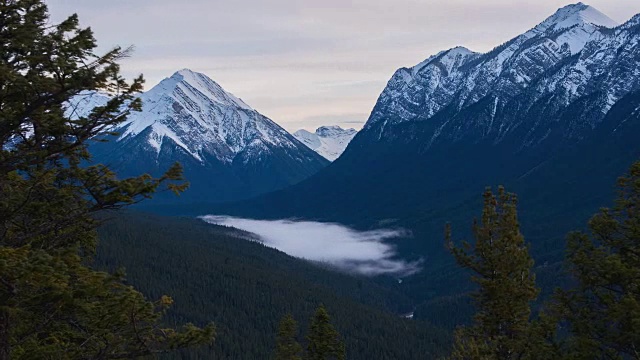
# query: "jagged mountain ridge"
x,y
328,141
229,150
572,54
563,95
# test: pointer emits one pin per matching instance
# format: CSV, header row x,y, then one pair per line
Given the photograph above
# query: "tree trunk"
x,y
5,352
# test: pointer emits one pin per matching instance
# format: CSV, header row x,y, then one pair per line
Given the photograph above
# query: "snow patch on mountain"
x,y
575,15
574,24
328,141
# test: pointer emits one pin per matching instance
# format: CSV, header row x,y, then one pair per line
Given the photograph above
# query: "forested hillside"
x,y
246,288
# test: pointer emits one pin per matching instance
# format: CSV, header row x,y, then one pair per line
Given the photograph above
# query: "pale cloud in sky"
x,y
306,63
362,252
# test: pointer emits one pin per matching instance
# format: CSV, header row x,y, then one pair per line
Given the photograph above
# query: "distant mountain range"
x,y
229,150
553,114
328,141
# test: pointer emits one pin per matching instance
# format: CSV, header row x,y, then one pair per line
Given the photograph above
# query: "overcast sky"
x,y
306,63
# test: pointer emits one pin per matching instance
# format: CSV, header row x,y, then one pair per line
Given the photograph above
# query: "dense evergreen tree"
x,y
603,310
501,264
287,347
51,304
323,341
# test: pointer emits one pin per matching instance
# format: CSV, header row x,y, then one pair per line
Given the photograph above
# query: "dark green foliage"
x,y
51,304
287,347
245,287
447,312
323,341
603,310
500,262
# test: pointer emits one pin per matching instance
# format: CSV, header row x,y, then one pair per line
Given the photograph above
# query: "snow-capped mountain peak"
x,y
229,151
197,82
196,114
328,141
333,131
572,26
575,15
572,43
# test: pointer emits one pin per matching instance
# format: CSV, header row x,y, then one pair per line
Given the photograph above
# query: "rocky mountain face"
x,y
328,141
552,114
229,150
546,72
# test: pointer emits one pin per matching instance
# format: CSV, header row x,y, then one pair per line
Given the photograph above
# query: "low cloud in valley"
x,y
362,252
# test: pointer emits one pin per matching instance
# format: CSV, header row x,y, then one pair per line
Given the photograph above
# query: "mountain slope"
x,y
328,141
229,150
522,115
